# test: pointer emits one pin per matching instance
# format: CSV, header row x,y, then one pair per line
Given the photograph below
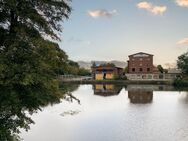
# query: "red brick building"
x,y
140,63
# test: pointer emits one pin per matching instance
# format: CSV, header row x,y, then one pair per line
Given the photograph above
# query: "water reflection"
x,y
67,89
69,97
150,87
107,89
164,118
18,104
140,96
184,97
70,112
144,93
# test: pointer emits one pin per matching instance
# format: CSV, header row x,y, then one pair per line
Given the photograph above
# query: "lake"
x,y
105,112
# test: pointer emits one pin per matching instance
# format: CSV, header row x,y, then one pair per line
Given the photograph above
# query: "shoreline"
x,y
140,82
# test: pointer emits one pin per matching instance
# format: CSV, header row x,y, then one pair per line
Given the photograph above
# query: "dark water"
x,y
113,113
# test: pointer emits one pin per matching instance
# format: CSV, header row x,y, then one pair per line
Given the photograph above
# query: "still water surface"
x,y
114,113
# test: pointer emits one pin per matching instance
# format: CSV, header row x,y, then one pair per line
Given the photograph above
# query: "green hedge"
x,y
179,82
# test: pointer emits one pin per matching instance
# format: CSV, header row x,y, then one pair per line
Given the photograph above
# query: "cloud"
x,y
157,10
183,41
101,13
144,5
183,3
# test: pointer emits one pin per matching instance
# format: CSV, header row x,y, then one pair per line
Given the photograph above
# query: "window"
x,y
140,69
148,69
133,69
141,59
140,64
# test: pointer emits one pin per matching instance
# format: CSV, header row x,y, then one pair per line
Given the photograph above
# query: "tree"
x,y
126,70
29,63
26,57
160,68
84,72
42,15
182,62
93,64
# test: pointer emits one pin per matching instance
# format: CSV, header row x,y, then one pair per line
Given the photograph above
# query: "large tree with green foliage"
x,y
29,63
182,62
26,56
43,16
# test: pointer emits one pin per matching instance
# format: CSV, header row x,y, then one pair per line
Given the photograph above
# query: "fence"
x,y
151,76
74,78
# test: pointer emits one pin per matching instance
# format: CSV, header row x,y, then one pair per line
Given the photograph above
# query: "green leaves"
x,y
160,68
29,64
182,62
43,15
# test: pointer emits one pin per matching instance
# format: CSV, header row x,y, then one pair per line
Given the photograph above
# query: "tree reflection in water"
x,y
17,104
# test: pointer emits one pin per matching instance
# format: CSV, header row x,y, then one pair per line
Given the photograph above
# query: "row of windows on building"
x,y
140,64
140,69
141,59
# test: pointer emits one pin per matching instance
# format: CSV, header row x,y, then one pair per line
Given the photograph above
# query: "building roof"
x,y
142,53
106,67
174,71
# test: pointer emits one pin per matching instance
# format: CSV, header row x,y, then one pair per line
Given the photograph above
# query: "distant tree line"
x,y
73,68
103,65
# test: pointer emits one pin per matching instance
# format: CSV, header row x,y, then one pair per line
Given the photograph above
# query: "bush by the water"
x,y
181,81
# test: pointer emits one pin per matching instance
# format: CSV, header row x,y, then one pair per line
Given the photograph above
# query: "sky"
x,y
108,30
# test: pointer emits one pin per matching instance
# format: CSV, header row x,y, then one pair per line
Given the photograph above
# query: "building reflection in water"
x,y
106,89
140,96
137,95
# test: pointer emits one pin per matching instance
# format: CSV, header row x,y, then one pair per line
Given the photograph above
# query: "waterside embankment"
x,y
126,82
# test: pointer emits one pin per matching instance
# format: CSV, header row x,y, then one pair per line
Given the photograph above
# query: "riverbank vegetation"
x,y
27,57
30,59
182,63
73,68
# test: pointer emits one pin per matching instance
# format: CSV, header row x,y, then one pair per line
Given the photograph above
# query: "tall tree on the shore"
x,y
182,63
29,63
27,58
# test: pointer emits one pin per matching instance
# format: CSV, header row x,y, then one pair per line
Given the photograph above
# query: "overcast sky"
x,y
113,29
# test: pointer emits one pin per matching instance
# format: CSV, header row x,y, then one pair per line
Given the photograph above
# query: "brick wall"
x,y
140,63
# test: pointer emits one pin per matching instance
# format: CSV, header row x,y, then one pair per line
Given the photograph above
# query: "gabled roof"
x,y
141,53
107,67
